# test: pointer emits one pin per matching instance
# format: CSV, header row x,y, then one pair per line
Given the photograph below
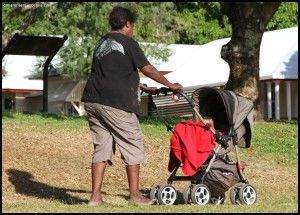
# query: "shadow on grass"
x,y
11,114
53,116
25,185
7,114
145,192
283,121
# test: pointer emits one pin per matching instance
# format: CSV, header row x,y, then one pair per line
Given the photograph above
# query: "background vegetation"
x,y
158,22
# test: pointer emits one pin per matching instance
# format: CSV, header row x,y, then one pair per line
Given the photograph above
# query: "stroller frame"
x,y
195,178
173,176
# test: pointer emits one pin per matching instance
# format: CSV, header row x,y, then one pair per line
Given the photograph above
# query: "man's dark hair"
x,y
119,16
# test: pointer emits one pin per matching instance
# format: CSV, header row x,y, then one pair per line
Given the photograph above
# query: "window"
x,y
9,103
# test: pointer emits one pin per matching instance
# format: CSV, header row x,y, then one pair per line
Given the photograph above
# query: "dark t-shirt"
x,y
114,78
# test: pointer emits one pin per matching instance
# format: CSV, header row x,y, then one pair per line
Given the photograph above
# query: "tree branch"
x,y
22,28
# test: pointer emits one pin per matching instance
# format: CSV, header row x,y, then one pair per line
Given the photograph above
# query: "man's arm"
x,y
145,88
151,72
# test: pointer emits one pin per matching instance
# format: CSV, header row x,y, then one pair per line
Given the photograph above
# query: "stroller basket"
x,y
221,177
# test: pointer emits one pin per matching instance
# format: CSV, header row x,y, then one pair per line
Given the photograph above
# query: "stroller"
x,y
233,116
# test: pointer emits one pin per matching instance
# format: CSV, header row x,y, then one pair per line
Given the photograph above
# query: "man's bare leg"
x,y
133,182
97,178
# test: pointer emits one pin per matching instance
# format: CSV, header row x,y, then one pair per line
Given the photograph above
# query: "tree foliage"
x,y
201,22
285,17
158,22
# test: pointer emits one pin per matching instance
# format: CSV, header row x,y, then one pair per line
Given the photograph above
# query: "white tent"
x,y
22,84
279,54
17,67
202,65
196,66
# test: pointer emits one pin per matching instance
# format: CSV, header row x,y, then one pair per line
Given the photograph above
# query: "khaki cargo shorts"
x,y
110,127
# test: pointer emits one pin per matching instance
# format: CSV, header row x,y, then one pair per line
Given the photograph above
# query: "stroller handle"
x,y
165,90
183,94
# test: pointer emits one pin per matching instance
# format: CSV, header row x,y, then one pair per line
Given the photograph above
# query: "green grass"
x,y
45,120
279,139
46,158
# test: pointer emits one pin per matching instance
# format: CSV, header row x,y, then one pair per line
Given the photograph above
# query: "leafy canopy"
x,y
158,22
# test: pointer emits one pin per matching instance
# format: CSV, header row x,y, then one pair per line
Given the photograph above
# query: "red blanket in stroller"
x,y
191,144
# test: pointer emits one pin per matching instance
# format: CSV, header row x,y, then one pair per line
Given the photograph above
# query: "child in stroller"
x,y
201,150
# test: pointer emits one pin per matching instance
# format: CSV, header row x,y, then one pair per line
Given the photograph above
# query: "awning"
x,y
38,46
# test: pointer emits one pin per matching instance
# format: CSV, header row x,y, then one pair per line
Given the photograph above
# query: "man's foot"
x,y
95,200
141,200
91,203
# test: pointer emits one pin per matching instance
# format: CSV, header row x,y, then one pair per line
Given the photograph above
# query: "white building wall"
x,y
34,104
294,99
282,99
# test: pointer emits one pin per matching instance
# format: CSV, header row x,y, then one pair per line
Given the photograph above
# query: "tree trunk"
x,y
248,21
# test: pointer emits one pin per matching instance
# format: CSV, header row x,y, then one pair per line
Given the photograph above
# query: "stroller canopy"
x,y
229,112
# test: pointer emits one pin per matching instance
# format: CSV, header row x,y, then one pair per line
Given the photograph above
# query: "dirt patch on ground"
x,y
53,164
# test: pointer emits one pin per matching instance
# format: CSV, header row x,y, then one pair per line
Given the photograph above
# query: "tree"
x,y
88,22
85,23
201,22
158,22
249,21
10,27
17,18
285,17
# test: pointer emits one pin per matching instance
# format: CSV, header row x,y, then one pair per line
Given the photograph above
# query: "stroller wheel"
x,y
218,200
166,195
153,192
247,194
200,194
234,193
187,194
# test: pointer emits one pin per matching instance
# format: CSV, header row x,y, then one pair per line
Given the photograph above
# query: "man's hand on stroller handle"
x,y
175,88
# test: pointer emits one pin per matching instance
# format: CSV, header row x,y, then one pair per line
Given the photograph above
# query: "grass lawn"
x,y
46,168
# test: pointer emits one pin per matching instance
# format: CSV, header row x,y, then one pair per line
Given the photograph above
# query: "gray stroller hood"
x,y
229,112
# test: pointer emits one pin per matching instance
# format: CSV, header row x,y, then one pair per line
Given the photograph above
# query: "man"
x,y
111,103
